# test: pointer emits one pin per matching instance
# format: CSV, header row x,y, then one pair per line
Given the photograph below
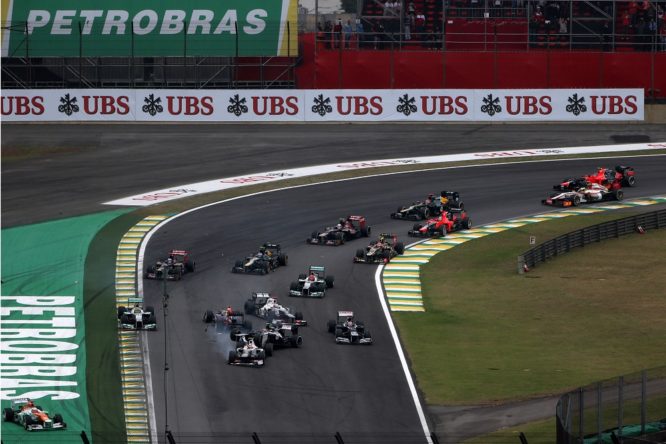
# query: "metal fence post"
x,y
620,405
643,400
599,413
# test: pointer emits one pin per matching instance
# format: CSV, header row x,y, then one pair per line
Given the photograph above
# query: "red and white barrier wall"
x,y
373,105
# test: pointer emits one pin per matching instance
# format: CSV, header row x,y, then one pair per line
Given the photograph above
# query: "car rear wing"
x,y
317,269
357,218
178,252
345,314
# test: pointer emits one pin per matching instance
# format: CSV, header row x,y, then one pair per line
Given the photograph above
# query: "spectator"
x,y
360,34
563,22
419,23
348,31
337,33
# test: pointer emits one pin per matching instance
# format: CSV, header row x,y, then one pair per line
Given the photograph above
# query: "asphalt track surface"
x,y
75,168
321,388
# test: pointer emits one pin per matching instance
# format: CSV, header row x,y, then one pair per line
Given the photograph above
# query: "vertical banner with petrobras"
x,y
149,28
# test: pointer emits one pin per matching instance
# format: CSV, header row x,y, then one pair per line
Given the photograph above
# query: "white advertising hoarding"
x,y
381,105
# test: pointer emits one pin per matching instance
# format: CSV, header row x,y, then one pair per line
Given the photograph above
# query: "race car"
x,y
346,229
591,193
25,413
248,354
174,266
313,285
265,306
381,250
453,220
136,317
278,334
430,207
227,319
268,258
611,179
347,330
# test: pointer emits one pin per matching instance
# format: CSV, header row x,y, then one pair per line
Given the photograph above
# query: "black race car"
x,y
173,267
349,331
381,250
268,258
430,207
233,321
347,229
279,334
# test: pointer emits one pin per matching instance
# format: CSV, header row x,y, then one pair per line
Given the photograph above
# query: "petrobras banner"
x,y
149,28
159,105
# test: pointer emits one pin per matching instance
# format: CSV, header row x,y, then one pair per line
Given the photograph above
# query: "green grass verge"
x,y
105,401
491,335
539,432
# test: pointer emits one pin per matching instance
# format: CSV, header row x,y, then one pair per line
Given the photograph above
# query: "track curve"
x,y
306,394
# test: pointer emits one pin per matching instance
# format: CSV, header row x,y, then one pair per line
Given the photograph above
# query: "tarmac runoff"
x,y
401,277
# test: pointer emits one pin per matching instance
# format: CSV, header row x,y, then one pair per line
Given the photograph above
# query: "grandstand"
x,y
454,44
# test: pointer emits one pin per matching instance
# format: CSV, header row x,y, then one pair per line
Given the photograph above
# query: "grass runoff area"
x,y
490,335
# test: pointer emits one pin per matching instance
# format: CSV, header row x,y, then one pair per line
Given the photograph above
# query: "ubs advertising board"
x,y
160,105
149,28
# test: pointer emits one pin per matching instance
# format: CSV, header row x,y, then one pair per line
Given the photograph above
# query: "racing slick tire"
x,y
57,417
294,286
150,309
150,270
296,341
233,334
329,281
630,181
265,269
302,276
576,201
399,248
282,259
331,326
438,233
237,265
368,335
298,316
416,227
28,422
618,195
126,319
208,316
121,311
268,349
189,266
8,414
425,214
360,253
467,223
151,319
249,307
247,325
232,356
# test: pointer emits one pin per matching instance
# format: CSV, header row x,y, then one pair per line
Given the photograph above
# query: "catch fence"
x,y
596,233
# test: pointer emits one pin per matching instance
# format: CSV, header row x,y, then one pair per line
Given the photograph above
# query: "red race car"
x,y
611,179
453,220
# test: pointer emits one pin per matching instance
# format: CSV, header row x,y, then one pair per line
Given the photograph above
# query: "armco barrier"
x,y
595,233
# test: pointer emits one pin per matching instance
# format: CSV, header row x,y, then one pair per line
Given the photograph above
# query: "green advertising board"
x,y
149,28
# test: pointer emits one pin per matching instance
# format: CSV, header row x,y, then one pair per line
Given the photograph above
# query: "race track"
x,y
323,388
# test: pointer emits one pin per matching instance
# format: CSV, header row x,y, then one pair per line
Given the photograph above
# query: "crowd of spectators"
x,y
633,25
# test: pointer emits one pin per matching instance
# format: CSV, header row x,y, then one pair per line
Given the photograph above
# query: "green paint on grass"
x,y
495,335
47,259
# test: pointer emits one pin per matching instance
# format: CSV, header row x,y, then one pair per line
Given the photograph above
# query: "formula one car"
x,y
268,258
453,220
313,285
611,179
265,306
174,267
278,334
430,207
347,229
248,354
136,317
25,413
591,193
349,331
227,319
381,250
